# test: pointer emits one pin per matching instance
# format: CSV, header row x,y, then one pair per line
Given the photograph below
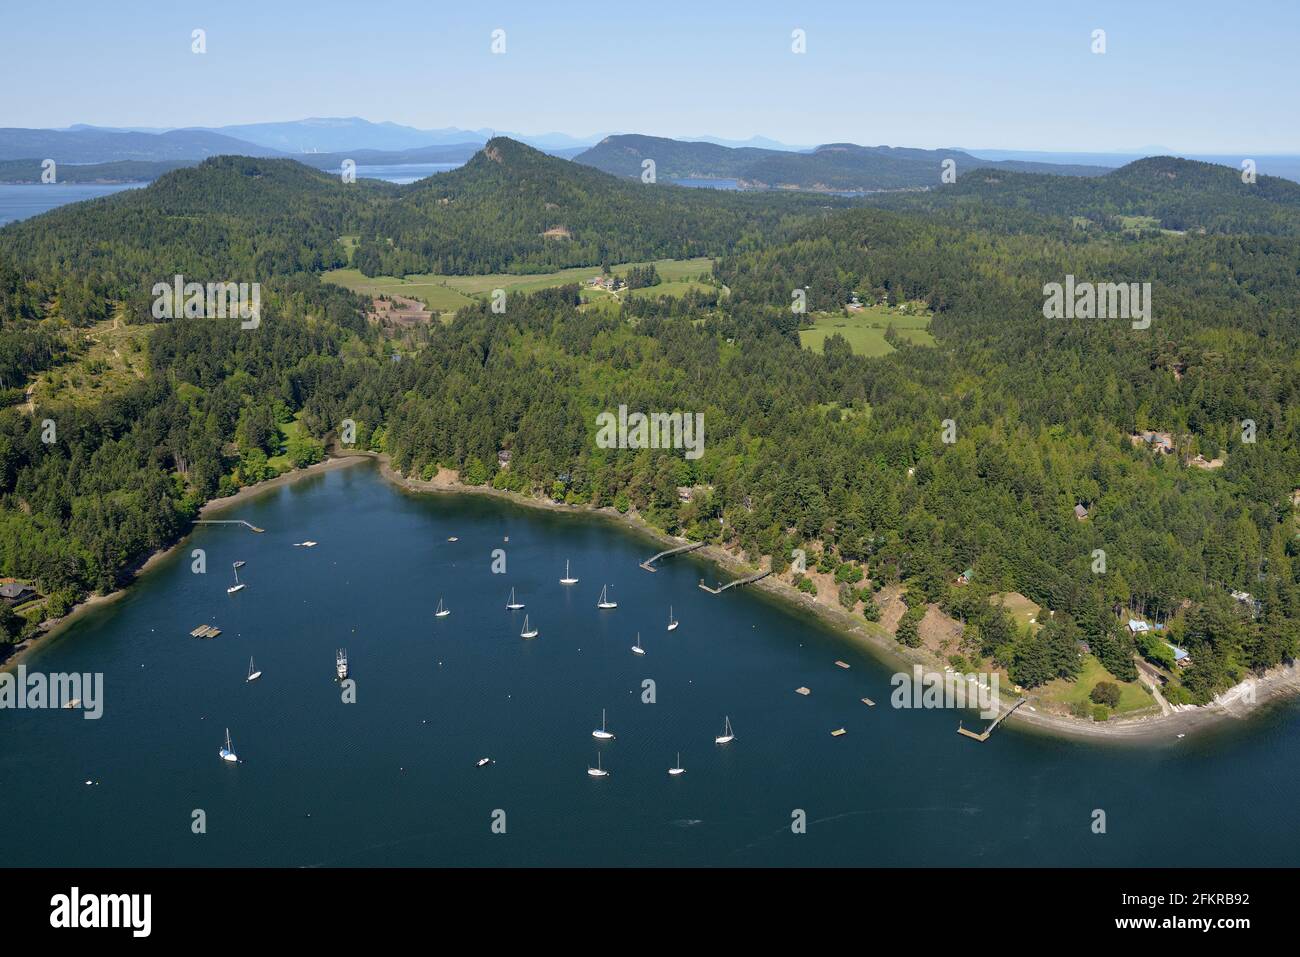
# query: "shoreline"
x,y
53,628
1280,683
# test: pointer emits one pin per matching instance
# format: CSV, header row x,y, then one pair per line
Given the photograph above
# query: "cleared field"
x,y
436,295
449,293
115,359
1063,694
1024,611
865,329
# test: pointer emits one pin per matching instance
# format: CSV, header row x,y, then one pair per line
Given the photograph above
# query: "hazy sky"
x,y
1187,75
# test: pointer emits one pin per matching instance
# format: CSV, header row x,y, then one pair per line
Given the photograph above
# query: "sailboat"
x,y
672,622
674,771
636,647
598,771
567,579
341,663
528,632
240,564
604,599
727,734
238,585
441,612
600,733
252,675
512,604
228,753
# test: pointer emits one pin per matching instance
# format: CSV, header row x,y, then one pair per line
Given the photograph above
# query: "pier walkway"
x,y
738,581
648,564
984,736
228,521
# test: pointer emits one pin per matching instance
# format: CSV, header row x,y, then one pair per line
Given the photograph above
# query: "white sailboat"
x,y
600,733
604,599
674,771
252,675
528,632
238,585
567,579
512,604
727,734
636,646
441,612
672,622
341,663
598,771
228,753
240,564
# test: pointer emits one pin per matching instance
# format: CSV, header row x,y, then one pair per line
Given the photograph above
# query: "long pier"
x,y
738,581
984,735
648,564
228,521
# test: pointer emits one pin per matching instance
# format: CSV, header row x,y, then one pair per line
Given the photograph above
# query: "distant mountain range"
x,y
119,154
832,167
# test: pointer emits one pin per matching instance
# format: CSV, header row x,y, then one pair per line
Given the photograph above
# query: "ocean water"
x,y
24,200
391,779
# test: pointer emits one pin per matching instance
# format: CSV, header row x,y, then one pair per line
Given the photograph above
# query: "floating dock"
x,y
739,581
868,702
838,732
205,631
984,735
803,691
649,563
842,664
228,521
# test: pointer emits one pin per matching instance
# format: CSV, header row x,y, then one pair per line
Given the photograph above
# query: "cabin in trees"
x,y
1161,442
15,593
966,577
1181,657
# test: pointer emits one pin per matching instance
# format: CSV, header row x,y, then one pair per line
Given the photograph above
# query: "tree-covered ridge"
x,y
1177,194
513,208
833,166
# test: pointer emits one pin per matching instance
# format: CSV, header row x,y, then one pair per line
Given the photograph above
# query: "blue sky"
x,y
1189,76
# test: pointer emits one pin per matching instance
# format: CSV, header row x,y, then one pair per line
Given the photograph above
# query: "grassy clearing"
x,y
1062,694
448,293
116,357
1025,612
865,329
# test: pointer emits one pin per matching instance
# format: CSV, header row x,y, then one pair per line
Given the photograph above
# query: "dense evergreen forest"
x,y
830,451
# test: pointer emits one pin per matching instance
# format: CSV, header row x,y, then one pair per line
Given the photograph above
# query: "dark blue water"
x,y
23,200
391,779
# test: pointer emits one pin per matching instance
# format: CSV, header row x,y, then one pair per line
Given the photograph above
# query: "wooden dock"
x,y
984,735
205,631
739,581
649,563
228,521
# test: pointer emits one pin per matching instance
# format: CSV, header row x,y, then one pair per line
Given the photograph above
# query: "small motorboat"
x,y
483,762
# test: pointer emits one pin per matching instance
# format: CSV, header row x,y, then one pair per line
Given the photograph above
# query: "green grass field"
x,y
1132,696
865,330
446,294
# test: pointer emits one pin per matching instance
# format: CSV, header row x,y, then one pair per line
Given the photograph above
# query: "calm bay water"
x,y
23,200
392,780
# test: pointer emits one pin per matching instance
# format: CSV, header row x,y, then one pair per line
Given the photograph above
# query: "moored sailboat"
x,y
727,734
228,752
568,579
528,632
441,612
604,599
601,733
252,675
598,771
672,622
238,585
678,769
512,604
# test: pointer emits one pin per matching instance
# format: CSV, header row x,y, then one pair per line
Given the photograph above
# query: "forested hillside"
x,y
830,451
